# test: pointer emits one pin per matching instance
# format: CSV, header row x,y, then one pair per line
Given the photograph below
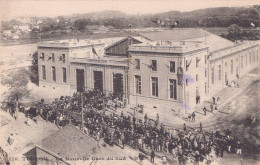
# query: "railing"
x,y
97,61
156,48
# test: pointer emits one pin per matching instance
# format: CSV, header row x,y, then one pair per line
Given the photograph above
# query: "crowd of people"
x,y
4,160
147,135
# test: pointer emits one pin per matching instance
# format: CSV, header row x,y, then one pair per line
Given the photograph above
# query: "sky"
x,y
52,8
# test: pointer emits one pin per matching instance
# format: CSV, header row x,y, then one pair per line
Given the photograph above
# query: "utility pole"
x,y
82,115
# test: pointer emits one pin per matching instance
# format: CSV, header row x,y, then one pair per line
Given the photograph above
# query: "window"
x,y
206,73
197,62
53,57
64,75
226,64
53,73
172,66
42,56
187,66
43,72
137,64
187,82
154,65
231,66
138,84
155,86
205,88
63,57
236,59
219,72
197,77
212,75
173,91
205,59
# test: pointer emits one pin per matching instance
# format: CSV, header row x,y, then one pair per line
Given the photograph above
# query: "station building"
x,y
170,69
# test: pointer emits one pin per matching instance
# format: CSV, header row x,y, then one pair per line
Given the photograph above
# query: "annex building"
x,y
170,69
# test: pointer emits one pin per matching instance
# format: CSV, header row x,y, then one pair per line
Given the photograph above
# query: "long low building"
x,y
170,69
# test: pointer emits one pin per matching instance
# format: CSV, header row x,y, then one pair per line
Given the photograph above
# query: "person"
x,y
193,116
214,100
152,156
189,118
145,118
157,118
184,127
205,111
200,127
239,150
211,107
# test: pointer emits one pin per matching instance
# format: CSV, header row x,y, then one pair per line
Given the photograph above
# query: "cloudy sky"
x,y
14,8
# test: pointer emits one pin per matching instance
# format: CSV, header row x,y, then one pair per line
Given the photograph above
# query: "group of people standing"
x,y
146,135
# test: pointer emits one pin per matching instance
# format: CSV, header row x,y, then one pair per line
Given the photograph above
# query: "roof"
x,y
121,40
189,34
69,142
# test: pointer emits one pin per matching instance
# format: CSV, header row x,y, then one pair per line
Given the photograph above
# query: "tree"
x,y
16,82
34,76
234,32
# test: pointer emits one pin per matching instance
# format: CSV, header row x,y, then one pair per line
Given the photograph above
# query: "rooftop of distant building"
x,y
213,41
74,43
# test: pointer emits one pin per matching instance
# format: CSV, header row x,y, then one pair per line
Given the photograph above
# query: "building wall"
x,y
241,66
197,78
58,64
107,72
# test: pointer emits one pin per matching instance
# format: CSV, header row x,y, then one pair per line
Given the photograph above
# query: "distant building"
x,y
66,146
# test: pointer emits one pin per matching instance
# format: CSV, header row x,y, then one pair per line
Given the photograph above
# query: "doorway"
x,y
80,80
118,85
98,80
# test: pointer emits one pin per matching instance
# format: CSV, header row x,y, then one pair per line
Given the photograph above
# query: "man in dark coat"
x,y
152,156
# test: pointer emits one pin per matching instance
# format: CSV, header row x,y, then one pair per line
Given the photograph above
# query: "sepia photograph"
x,y
129,82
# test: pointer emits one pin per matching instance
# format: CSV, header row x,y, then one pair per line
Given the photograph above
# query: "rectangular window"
x,y
231,66
154,65
172,66
219,72
53,73
43,72
187,82
197,77
197,62
187,66
53,57
138,84
173,92
42,56
205,88
155,86
64,75
205,59
137,64
212,75
63,57
225,64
